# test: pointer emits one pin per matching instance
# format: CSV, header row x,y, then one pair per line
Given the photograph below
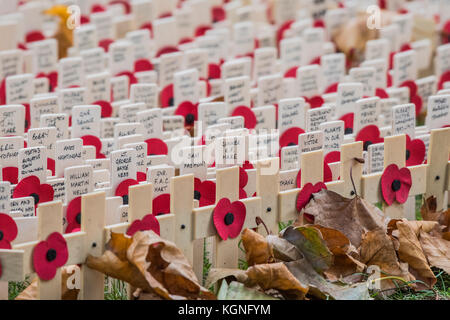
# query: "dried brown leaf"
x,y
429,213
283,250
257,249
437,250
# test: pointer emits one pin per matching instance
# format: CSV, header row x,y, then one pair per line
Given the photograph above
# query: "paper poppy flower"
x,y
106,108
73,215
381,93
201,30
395,184
156,146
51,165
31,187
84,19
126,6
316,60
445,77
161,204
369,135
52,79
10,174
105,43
8,231
249,117
204,192
332,88
3,91
327,175
446,32
218,14
97,8
283,28
131,77
319,24
166,96
315,101
149,222
33,36
348,122
306,194
415,151
418,103
243,177
290,137
229,218
214,71
91,140
49,255
291,73
142,65
242,193
166,50
189,112
149,27
141,176
122,189
333,156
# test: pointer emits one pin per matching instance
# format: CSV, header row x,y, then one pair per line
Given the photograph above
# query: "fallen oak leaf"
x,y
437,250
352,217
257,249
310,243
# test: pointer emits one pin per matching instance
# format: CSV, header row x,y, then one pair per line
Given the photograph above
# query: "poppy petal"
x,y
105,43
218,14
418,102
142,65
243,178
8,228
333,156
242,193
26,187
369,135
51,165
167,96
316,102
131,77
304,196
249,117
161,204
381,93
239,212
390,174
10,174
412,87
406,181
332,88
73,210
291,73
149,222
348,122
415,152
91,140
156,146
166,50
290,137
214,71
56,241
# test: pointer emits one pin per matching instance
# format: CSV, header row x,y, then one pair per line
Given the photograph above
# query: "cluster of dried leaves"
x,y
332,258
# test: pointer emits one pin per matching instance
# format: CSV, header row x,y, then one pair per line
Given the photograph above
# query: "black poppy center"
x,y
1,235
171,102
367,144
229,218
36,198
26,124
290,144
78,218
348,131
408,154
197,195
190,118
51,255
125,199
396,184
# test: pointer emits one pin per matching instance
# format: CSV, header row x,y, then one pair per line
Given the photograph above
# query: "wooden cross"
x,y
438,167
227,186
394,153
312,172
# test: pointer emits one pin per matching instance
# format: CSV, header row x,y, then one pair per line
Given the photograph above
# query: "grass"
x,y
16,287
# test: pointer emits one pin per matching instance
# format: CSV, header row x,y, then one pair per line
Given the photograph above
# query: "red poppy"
x,y
122,189
315,101
106,108
185,40
316,60
290,137
249,117
105,43
381,93
165,15
149,222
161,204
52,79
413,96
415,151
189,111
446,32
243,178
73,215
90,140
142,65
445,77
149,27
132,79
166,50
166,96
214,71
31,187
291,73
84,19
125,4
201,30
327,175
208,86
156,146
348,122
319,24
141,176
332,88
33,36
333,156
395,184
369,135
8,231
49,255
10,174
51,165
306,194
204,192
242,193
27,116
218,14
229,218
97,8
418,103
283,28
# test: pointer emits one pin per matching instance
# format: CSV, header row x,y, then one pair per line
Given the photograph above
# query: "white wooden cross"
x,y
438,167
227,186
394,153
312,172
